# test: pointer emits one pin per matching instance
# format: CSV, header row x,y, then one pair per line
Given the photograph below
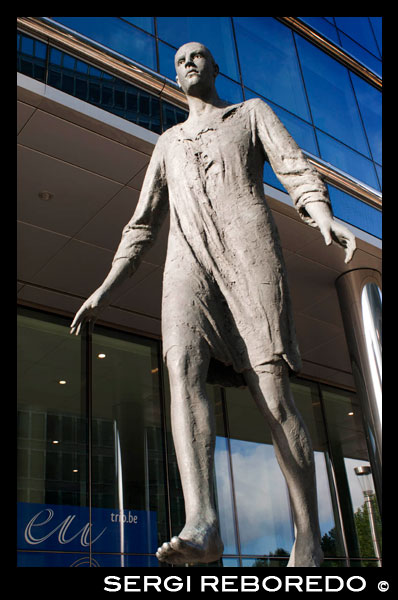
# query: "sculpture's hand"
x,y
332,230
90,310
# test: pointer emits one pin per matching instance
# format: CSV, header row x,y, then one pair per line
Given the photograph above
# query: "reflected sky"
x,y
264,516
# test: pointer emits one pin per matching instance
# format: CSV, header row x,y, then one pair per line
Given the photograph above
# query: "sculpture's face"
x,y
195,67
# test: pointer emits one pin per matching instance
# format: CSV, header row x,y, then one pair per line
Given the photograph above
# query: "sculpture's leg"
x,y
193,428
270,388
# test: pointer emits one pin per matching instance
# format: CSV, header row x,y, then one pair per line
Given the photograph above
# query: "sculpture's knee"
x,y
187,367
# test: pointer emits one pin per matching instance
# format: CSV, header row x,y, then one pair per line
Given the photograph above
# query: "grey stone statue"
x,y
225,297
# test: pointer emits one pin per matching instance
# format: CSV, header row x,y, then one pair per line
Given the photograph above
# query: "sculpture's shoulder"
x,y
256,105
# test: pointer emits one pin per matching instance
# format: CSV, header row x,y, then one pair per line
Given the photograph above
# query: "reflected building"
x,y
98,482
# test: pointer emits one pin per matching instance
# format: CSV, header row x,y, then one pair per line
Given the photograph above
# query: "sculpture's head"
x,y
195,67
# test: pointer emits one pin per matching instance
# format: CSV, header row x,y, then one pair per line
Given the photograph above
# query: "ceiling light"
x,y
62,382
75,471
350,414
55,442
102,355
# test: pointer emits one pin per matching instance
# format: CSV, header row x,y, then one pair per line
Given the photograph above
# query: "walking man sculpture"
x,y
225,294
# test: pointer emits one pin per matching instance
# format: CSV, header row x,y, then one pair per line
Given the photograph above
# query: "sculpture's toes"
x,y
168,553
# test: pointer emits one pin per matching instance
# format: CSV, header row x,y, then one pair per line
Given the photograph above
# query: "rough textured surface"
x,y
225,305
224,277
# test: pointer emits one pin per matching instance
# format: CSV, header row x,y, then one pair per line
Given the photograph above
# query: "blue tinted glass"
x,y
69,62
166,61
370,105
323,27
377,24
270,178
214,32
362,55
380,175
347,160
331,96
301,132
359,29
55,56
81,67
143,22
117,35
40,49
357,213
229,90
269,63
27,45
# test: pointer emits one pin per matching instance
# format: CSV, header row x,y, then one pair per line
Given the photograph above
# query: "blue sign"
x,y
52,527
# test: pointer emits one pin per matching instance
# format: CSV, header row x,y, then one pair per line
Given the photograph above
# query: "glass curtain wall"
x,y
98,483
331,112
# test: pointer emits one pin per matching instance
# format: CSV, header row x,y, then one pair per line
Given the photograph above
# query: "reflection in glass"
x,y
51,434
269,62
331,96
371,303
349,450
214,32
116,34
347,160
128,462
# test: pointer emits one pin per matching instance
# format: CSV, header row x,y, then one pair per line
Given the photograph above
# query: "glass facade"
x,y
331,112
98,482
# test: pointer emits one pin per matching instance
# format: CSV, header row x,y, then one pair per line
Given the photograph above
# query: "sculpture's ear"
x,y
178,82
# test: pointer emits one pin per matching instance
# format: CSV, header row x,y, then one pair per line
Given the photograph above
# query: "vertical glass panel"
x,y
143,22
307,400
117,35
349,450
301,132
269,63
331,96
51,436
214,32
166,61
370,105
347,160
360,30
229,90
263,510
371,304
128,486
377,24
323,27
222,481
361,54
357,213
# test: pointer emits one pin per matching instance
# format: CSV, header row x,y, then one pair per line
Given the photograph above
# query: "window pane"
x,y
214,32
370,105
269,62
117,35
323,27
361,54
349,450
51,434
301,132
128,496
359,29
307,400
331,96
357,213
347,160
264,517
143,22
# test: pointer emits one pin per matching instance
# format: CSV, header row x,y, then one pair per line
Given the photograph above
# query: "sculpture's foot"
x,y
200,543
305,555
